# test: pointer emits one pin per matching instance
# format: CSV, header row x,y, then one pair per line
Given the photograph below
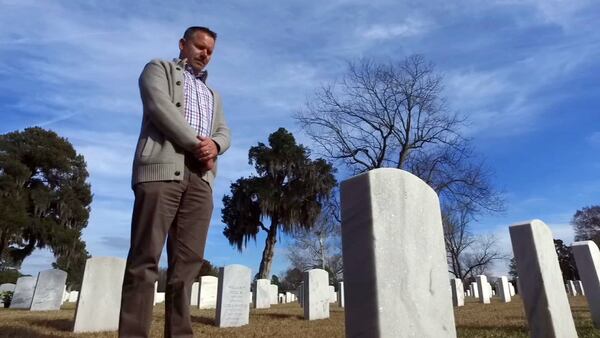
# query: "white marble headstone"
x,y
541,285
100,296
572,289
458,294
232,297
73,296
262,294
49,290
389,217
194,294
579,288
23,293
273,292
484,289
474,290
340,294
587,258
332,294
503,289
316,294
207,289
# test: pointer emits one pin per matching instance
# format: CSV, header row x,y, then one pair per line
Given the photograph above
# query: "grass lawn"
x,y
473,320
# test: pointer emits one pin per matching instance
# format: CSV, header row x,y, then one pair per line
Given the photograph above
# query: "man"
x,y
183,131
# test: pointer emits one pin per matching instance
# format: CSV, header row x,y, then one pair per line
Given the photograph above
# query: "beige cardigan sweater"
x,y
165,135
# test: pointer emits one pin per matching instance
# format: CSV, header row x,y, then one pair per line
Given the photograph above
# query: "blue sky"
x,y
525,72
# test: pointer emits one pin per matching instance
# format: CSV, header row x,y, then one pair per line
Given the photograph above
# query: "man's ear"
x,y
181,44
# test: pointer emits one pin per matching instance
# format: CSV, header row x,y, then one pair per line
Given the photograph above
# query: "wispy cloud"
x,y
594,138
411,27
73,67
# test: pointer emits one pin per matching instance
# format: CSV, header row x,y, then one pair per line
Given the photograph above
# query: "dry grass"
x,y
473,320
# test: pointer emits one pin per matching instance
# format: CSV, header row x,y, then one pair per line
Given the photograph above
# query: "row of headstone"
x,y
575,288
387,211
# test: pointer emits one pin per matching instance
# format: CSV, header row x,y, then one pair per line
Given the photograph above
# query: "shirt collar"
x,y
201,75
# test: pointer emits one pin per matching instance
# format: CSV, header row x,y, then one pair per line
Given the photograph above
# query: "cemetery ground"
x,y
286,320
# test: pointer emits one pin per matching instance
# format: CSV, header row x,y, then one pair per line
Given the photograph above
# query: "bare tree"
x,y
468,255
393,115
586,224
320,245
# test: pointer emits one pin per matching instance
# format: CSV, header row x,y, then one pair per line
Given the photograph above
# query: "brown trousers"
x,y
181,209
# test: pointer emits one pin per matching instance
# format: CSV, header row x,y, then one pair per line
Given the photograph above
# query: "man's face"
x,y
197,50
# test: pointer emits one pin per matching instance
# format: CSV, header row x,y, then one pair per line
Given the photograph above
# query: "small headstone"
x,y
281,298
100,297
49,290
288,297
503,289
7,287
194,294
73,296
388,217
156,292
274,291
159,297
545,301
301,294
207,289
511,288
474,290
458,295
23,293
579,288
468,293
232,296
250,296
65,295
587,258
332,294
316,294
572,289
262,294
340,294
484,289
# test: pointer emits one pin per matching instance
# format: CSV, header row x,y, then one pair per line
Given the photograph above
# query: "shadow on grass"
x,y
503,328
203,320
280,315
65,325
580,309
15,331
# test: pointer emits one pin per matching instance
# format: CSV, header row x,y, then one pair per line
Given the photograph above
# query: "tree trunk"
x,y
2,243
267,257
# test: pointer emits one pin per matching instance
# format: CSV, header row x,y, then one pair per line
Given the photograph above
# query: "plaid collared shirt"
x,y
198,101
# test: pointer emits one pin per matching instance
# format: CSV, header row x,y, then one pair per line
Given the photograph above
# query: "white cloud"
x,y
594,138
565,13
411,27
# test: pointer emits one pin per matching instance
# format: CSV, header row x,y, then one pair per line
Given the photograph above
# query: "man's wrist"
x,y
217,146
